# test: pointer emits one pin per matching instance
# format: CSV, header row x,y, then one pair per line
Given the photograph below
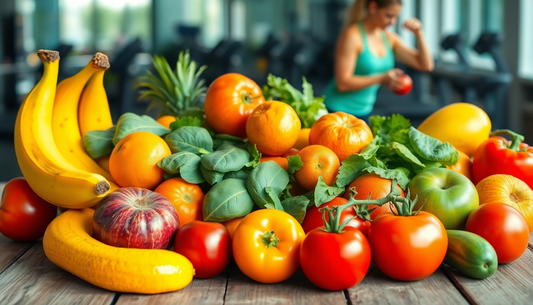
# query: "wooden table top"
x,y
28,277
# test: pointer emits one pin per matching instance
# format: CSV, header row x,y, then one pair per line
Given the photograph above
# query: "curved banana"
x,y
68,243
65,126
48,173
94,112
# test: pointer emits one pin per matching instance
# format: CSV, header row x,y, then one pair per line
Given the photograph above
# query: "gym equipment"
x,y
490,87
121,65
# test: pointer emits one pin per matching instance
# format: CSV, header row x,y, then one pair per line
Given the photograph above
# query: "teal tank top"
x,y
360,102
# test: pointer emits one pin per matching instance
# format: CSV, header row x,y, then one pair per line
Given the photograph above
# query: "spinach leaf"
x,y
227,200
266,174
131,122
274,197
324,193
243,174
296,206
432,149
212,177
255,155
398,174
294,163
99,143
186,164
227,158
190,138
351,168
220,139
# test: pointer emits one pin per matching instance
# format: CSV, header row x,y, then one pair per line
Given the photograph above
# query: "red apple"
x,y
134,217
407,84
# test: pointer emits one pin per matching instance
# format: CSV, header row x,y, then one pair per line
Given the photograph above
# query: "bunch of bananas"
x,y
48,134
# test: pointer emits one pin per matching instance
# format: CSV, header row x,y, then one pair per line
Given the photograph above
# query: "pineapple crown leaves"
x,y
174,90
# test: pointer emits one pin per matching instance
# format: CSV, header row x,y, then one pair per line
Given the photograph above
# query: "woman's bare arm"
x,y
349,47
420,59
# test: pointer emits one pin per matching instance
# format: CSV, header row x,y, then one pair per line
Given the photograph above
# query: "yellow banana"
x,y
48,173
94,112
65,126
68,243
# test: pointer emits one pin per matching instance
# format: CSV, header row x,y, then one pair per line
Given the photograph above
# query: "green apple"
x,y
446,194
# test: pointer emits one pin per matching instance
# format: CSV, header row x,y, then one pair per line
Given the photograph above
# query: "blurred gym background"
x,y
483,50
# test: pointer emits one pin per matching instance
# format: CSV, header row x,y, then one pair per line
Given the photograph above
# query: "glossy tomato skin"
x,y
275,263
335,261
503,227
207,245
229,101
407,248
313,218
407,85
24,215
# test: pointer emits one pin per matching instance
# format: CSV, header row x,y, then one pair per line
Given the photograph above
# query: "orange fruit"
x,y
317,161
232,225
134,159
273,127
303,138
187,198
463,166
375,186
343,133
281,161
166,120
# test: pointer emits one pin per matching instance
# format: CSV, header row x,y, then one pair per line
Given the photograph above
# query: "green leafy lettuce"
x,y
308,107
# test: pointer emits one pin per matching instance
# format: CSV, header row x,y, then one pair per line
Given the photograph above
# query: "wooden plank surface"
x,y
296,290
376,288
200,291
10,251
33,279
511,284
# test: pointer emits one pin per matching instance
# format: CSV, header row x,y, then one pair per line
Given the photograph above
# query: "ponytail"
x,y
357,11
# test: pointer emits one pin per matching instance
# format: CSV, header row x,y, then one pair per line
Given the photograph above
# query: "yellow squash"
x,y
463,125
68,243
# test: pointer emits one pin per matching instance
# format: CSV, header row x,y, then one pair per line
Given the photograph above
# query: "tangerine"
x,y
273,127
134,159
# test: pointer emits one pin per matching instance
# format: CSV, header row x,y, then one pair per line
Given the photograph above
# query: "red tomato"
x,y
229,101
313,218
335,261
207,245
407,84
503,227
407,248
24,215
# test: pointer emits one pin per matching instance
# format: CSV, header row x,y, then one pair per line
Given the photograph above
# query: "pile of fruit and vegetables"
x,y
262,176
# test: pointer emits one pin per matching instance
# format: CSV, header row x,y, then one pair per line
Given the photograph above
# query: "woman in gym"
x,y
364,58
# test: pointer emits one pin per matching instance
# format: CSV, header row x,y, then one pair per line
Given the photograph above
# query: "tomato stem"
x,y
516,138
270,239
404,207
